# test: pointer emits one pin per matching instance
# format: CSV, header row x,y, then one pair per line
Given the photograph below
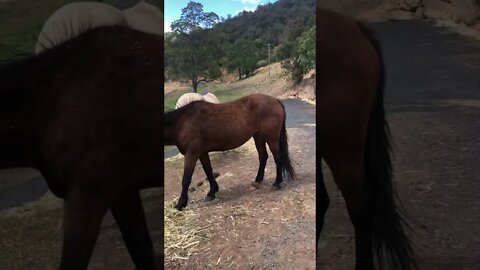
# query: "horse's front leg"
x,y
130,217
82,218
188,168
207,167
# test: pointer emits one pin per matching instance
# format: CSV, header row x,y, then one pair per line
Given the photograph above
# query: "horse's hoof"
x,y
256,185
275,187
209,198
180,206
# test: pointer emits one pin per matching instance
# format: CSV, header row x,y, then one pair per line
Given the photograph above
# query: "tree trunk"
x,y
194,83
239,74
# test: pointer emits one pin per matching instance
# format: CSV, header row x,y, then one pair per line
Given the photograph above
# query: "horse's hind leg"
x,y
275,149
262,158
82,218
130,217
207,167
322,201
350,177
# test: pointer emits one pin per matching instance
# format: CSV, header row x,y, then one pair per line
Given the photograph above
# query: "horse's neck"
x,y
171,124
169,133
169,137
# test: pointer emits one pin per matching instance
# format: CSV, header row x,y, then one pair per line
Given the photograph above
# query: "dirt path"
x,y
433,105
250,228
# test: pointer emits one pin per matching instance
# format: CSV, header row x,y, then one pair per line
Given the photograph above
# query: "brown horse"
x,y
88,115
353,139
201,127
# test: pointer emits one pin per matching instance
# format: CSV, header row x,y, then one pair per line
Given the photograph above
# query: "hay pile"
x,y
182,235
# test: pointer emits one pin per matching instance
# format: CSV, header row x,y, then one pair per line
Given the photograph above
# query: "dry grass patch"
x,y
182,235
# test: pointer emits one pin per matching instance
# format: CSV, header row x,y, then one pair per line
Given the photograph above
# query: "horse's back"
x,y
344,51
248,107
262,103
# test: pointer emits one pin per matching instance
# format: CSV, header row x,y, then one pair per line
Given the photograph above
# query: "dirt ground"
x,y
433,107
249,228
31,236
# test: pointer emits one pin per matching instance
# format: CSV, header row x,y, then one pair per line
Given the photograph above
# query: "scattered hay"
x,y
309,101
182,234
47,202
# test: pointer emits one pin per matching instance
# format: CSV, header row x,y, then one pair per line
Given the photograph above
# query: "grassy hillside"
x,y
276,84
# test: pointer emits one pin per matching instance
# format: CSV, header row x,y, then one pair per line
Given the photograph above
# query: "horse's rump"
x,y
209,97
145,17
75,18
345,62
187,98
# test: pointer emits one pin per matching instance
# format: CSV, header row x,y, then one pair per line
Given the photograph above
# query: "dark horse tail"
x,y
285,162
392,248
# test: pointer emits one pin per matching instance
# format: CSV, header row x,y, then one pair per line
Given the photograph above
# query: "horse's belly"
x,y
230,140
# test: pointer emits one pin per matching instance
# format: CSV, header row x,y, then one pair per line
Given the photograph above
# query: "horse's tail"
x,y
392,248
285,161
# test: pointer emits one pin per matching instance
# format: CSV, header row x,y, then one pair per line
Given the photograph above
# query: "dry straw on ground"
x,y
182,236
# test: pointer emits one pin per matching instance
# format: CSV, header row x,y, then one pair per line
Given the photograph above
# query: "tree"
x,y
284,51
306,49
243,56
303,59
194,48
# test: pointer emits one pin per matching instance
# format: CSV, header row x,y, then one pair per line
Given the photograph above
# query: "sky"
x,y
173,8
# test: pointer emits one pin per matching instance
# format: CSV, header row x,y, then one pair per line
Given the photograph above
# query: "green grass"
x,y
21,22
